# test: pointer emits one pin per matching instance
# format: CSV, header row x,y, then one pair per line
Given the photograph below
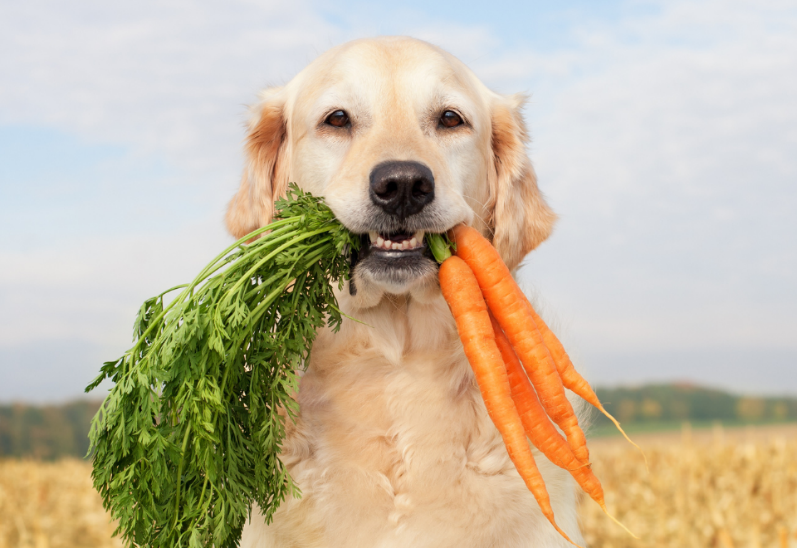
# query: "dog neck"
x,y
417,321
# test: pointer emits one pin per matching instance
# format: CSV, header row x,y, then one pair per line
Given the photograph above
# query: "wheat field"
x,y
51,505
734,489
711,489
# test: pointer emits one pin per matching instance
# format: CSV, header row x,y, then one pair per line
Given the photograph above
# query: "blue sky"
x,y
664,134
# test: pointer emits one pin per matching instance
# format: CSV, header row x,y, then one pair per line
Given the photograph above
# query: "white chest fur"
x,y
394,448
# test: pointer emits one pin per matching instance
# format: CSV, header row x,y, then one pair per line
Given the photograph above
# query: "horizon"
x,y
96,398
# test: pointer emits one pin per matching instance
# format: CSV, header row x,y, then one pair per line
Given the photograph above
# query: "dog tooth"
x,y
388,244
373,235
405,245
396,246
413,242
379,241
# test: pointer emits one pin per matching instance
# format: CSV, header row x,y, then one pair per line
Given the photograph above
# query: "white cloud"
x,y
669,151
90,291
665,139
165,77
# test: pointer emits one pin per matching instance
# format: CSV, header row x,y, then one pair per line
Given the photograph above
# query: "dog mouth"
x,y
397,241
394,260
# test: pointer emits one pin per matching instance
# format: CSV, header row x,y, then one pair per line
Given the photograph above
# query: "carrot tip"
x,y
565,535
617,521
620,428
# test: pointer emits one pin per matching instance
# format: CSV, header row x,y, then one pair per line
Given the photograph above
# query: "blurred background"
x,y
664,135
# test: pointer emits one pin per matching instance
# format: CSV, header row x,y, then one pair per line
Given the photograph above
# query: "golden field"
x,y
734,488
715,488
51,505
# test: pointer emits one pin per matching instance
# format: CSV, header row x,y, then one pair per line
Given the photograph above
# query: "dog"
x,y
393,446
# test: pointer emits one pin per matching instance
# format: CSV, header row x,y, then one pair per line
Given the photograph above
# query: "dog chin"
x,y
396,272
377,272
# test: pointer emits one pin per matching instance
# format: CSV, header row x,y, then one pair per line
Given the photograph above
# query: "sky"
x,y
664,134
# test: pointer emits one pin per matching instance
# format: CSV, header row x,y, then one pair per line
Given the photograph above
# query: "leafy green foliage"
x,y
189,436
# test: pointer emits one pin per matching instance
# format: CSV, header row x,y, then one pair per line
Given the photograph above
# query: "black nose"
x,y
402,188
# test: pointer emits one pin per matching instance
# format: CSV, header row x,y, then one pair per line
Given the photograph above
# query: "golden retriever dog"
x,y
393,446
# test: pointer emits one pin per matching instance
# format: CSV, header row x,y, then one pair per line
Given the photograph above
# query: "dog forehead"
x,y
367,73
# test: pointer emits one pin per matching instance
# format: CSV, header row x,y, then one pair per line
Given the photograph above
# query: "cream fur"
x,y
393,446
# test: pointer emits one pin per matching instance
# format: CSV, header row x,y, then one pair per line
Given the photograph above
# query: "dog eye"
x,y
450,119
339,118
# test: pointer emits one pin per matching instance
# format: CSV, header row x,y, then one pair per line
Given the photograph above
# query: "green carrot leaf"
x,y
188,437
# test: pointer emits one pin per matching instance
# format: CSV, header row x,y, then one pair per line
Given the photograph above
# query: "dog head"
x,y
401,139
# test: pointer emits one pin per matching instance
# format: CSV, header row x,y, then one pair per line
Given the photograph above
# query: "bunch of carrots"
x,y
520,366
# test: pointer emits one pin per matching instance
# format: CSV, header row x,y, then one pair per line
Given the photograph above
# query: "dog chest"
x,y
406,455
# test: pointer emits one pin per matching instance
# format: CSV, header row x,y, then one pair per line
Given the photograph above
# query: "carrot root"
x,y
536,369
509,305
461,291
617,521
620,428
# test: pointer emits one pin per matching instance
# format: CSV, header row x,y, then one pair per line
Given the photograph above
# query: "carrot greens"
x,y
189,435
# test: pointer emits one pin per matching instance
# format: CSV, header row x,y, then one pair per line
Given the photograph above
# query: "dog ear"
x,y
519,217
265,174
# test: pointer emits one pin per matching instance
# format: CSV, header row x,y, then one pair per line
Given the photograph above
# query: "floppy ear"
x,y
265,174
520,218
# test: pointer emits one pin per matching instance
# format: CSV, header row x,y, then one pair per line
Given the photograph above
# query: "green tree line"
x,y
54,431
46,432
682,402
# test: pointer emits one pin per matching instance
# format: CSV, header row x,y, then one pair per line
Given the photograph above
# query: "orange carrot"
x,y
508,304
542,433
461,292
571,378
539,429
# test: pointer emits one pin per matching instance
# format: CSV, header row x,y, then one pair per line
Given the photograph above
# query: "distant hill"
x,y
684,402
46,432
53,431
